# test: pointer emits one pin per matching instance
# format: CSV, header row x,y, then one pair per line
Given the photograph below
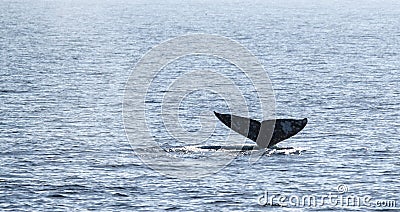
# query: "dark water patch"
x,y
173,208
117,194
57,196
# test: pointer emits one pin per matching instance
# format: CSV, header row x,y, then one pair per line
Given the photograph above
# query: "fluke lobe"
x,y
266,133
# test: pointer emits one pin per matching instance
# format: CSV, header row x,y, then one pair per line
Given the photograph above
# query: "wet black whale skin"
x,y
284,128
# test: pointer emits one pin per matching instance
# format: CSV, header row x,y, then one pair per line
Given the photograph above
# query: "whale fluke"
x,y
266,133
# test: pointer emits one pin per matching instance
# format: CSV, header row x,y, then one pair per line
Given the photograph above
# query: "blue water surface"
x,y
63,69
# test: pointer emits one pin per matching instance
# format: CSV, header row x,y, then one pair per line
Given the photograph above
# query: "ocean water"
x,y
64,67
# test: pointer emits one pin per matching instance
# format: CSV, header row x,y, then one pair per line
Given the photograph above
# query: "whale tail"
x,y
266,133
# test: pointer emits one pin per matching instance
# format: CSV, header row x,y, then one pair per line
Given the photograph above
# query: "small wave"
x,y
120,194
56,196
